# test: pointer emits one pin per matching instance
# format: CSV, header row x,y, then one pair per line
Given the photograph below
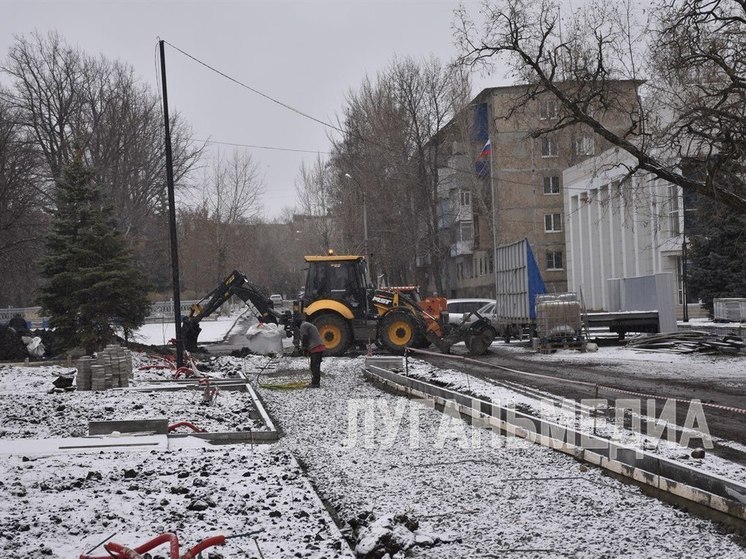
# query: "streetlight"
x,y
365,215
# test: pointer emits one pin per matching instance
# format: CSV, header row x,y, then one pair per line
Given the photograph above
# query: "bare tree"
x,y
389,154
698,49
64,97
232,192
314,192
431,94
22,217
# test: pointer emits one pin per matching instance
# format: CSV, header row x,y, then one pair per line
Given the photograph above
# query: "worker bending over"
x,y
312,345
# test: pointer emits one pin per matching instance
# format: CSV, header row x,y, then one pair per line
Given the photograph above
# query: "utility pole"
x,y
172,215
683,275
365,216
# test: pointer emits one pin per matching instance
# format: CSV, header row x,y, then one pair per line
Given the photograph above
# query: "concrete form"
x,y
269,434
725,498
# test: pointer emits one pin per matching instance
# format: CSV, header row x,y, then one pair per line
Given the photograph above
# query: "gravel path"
x,y
471,495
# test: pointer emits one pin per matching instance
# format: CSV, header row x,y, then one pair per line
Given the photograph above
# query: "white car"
x,y
459,308
276,299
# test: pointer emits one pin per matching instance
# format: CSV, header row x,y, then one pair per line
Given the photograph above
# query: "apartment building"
x,y
516,192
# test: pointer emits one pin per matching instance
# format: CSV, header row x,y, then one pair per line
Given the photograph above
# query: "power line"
x,y
253,90
271,148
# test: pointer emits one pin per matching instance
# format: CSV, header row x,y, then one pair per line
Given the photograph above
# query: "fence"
x,y
160,311
30,314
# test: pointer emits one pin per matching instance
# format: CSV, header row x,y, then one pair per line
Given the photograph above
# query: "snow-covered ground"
x,y
62,499
393,469
160,333
476,494
34,412
633,361
573,415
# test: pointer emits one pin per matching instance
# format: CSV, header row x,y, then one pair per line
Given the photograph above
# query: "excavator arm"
x,y
235,284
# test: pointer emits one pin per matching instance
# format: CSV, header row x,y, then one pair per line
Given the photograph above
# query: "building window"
x,y
551,185
554,260
548,109
467,231
548,147
552,223
673,214
465,198
584,145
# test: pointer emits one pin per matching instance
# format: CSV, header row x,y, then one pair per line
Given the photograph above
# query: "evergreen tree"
x,y
92,284
717,260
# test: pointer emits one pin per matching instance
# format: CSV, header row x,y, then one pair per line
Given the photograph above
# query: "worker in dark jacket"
x,y
312,345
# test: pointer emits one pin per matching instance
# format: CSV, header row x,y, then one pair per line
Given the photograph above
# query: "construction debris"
x,y
692,341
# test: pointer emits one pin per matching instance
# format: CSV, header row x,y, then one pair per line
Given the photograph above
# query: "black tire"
x,y
335,333
398,330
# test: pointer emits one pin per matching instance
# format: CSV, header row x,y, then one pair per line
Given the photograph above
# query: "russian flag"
x,y
486,150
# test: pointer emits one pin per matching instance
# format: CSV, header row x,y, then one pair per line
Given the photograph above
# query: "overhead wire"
x,y
319,121
272,99
254,90
254,146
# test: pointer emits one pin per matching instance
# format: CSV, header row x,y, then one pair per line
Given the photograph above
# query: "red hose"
x,y
187,372
120,550
200,547
189,424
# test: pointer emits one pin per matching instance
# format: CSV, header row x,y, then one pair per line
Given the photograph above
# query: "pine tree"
x,y
717,261
92,285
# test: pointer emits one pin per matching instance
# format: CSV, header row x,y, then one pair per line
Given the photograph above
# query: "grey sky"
x,y
305,53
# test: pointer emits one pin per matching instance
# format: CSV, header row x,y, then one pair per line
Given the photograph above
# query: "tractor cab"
x,y
339,278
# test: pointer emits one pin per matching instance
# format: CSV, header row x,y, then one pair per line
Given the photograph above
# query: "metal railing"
x,y
159,311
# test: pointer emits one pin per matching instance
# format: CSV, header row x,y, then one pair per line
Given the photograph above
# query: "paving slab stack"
x,y
111,368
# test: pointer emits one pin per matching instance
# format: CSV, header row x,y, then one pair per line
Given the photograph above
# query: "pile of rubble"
x,y
692,341
18,342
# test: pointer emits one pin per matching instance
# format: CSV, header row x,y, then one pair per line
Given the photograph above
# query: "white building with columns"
x,y
619,225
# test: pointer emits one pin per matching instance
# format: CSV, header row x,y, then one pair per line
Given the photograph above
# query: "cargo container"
x,y
518,281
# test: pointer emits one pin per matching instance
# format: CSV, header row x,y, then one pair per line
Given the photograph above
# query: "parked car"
x,y
504,329
488,312
458,308
276,299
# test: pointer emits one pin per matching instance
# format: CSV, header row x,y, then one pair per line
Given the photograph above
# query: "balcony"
x,y
460,248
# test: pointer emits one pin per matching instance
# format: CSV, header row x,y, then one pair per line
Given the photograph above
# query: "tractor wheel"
x,y
479,342
335,333
397,330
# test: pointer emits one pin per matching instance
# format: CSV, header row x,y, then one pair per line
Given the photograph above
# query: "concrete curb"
x,y
713,492
269,434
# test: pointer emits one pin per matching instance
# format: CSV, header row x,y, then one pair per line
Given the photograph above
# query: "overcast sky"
x,y
305,53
